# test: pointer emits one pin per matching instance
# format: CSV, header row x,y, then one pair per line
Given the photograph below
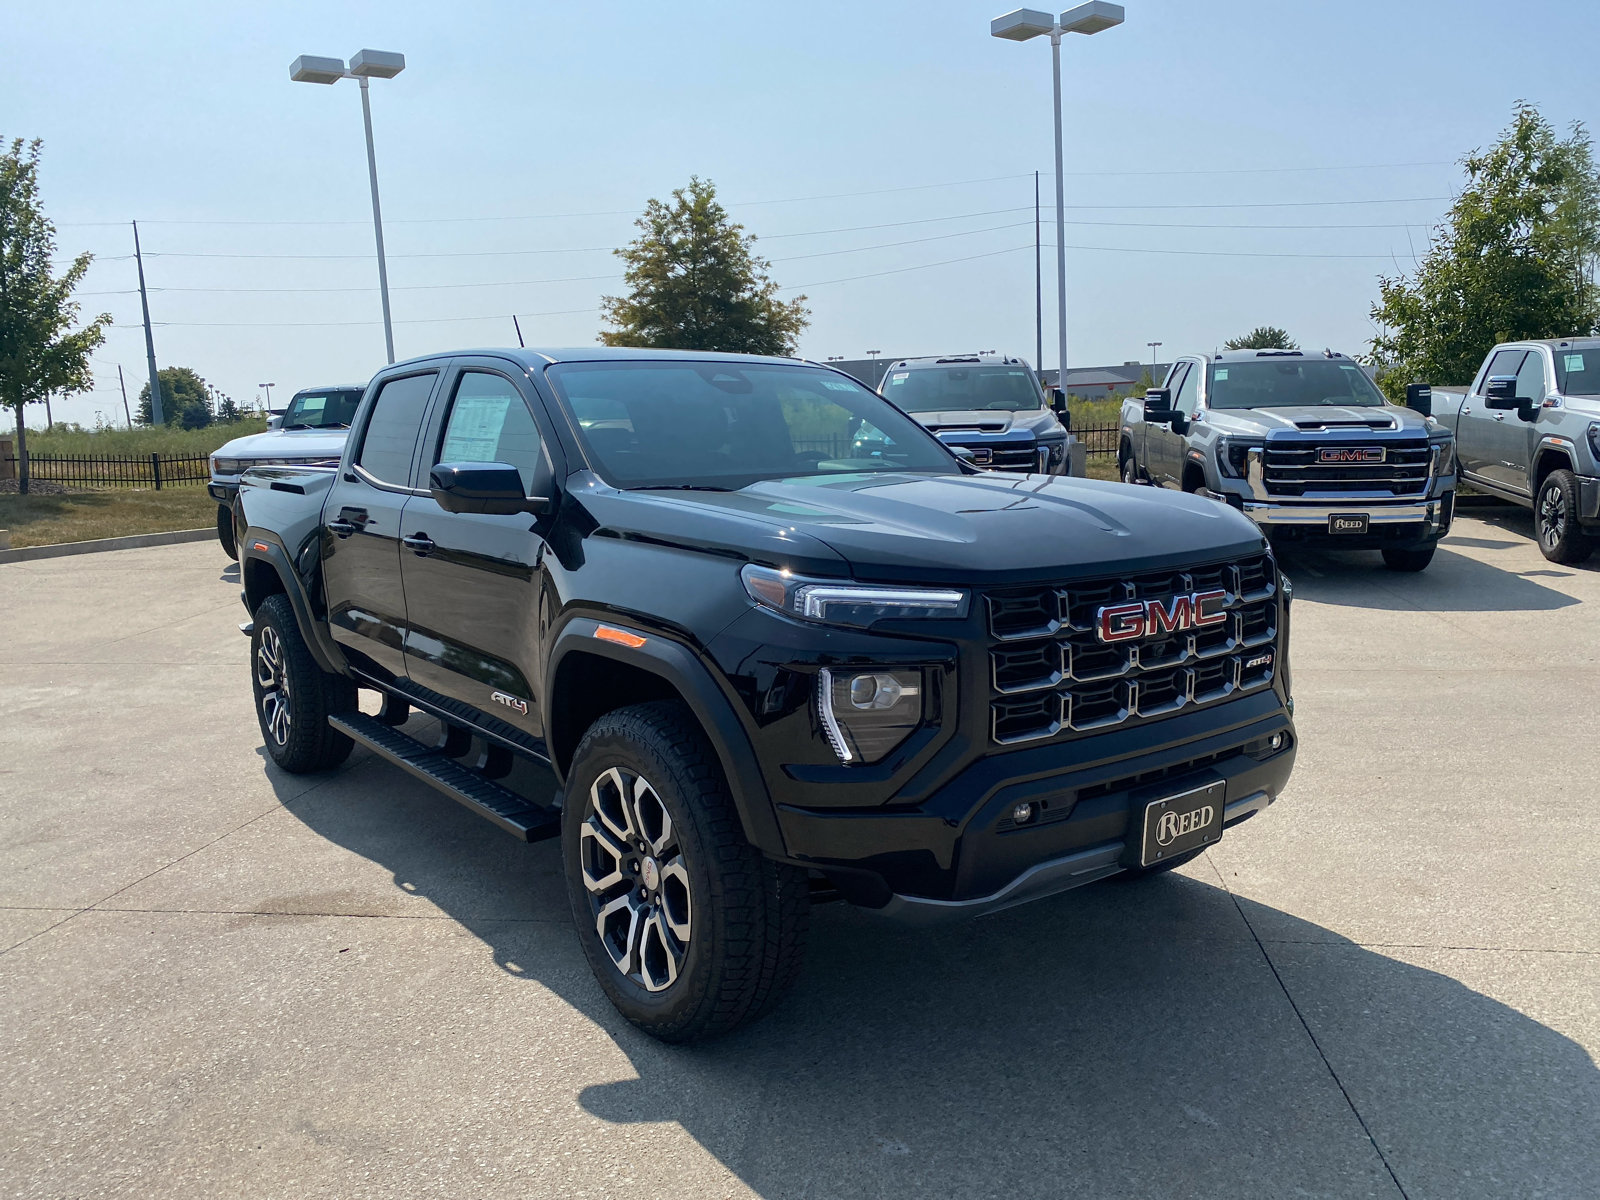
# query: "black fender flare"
x,y
711,705
262,545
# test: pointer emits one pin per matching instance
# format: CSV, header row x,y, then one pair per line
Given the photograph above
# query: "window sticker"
x,y
475,425
1222,373
899,375
1348,367
836,385
1574,362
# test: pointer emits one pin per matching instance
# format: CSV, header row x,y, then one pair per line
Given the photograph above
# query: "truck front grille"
x,y
1051,677
1298,468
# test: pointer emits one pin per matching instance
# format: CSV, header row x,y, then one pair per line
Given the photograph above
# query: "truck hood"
x,y
1318,419
989,528
287,443
1038,422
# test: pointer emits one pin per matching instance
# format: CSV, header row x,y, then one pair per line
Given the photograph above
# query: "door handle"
x,y
418,543
1465,409
1499,416
342,529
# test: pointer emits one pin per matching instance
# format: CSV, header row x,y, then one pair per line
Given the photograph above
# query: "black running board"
x,y
483,796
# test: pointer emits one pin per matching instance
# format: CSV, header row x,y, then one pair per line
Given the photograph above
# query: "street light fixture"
x,y
1021,26
268,387
367,64
1154,346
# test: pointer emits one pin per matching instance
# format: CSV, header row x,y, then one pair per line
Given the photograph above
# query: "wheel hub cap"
x,y
638,883
273,681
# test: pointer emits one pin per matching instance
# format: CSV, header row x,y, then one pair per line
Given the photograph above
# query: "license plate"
x,y
1178,824
1349,523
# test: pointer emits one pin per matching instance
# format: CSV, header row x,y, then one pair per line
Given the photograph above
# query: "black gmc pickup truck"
x,y
760,675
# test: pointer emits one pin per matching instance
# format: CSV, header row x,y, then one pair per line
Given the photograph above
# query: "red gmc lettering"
x,y
1121,622
1161,620
1152,618
1203,619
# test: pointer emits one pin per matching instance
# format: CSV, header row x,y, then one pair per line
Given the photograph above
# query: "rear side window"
x,y
1578,371
392,430
490,423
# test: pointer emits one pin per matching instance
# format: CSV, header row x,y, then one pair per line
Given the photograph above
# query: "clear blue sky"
x,y
1252,116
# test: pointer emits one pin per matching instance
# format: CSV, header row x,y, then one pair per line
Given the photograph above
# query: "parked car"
x,y
1302,443
991,405
1528,430
311,431
758,674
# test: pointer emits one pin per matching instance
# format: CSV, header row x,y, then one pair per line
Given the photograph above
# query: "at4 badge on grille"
x,y
1153,618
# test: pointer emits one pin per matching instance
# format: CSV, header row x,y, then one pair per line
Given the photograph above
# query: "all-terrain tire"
x,y
1130,471
1555,520
652,842
225,532
1408,560
294,697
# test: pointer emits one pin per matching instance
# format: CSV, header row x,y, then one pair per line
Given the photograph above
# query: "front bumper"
x,y
223,490
1270,513
958,853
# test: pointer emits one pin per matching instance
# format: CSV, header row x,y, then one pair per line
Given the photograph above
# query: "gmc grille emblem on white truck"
x,y
1350,454
1153,618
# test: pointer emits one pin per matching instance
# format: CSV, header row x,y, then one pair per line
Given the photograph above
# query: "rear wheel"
x,y
294,697
1555,520
225,532
689,930
1408,560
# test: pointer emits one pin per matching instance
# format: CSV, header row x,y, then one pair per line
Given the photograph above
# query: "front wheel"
x,y
225,532
1555,518
294,696
1408,560
1130,471
689,930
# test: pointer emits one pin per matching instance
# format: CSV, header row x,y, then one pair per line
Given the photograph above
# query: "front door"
x,y
1163,447
472,579
361,546
1484,436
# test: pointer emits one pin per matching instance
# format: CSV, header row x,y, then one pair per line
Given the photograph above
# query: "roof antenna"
x,y
518,325
1327,352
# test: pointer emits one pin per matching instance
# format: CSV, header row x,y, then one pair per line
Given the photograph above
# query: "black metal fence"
x,y
113,470
1099,439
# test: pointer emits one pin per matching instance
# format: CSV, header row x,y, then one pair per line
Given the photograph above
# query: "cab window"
x,y
1188,393
489,422
1530,378
391,434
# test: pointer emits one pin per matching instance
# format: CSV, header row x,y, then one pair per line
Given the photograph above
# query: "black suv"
x,y
763,674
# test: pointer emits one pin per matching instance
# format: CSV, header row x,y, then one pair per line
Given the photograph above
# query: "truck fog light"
x,y
1022,813
1277,741
864,716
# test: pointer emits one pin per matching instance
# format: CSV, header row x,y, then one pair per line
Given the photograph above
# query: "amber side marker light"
x,y
621,636
262,546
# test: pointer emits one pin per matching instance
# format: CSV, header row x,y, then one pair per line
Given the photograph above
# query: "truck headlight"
x,y
1447,456
866,714
843,603
227,466
1231,456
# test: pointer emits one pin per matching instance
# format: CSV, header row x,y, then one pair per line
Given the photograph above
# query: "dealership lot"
x,y
224,980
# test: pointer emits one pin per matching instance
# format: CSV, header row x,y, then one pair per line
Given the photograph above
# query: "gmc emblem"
x,y
1350,454
1152,618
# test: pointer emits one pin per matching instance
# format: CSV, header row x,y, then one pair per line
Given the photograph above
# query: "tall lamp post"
x,y
367,64
1021,26
1154,346
268,388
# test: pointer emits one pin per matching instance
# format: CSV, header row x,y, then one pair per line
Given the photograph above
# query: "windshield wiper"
x,y
680,487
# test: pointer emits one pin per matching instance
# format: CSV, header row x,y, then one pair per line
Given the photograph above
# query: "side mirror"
x,y
275,420
1158,406
494,488
1058,400
1420,397
1500,392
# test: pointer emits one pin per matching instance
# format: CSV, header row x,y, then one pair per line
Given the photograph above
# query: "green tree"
x,y
695,283
1262,337
1514,258
40,353
184,399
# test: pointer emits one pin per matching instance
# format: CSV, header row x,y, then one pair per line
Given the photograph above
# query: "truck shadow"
x,y
1453,582
1123,1040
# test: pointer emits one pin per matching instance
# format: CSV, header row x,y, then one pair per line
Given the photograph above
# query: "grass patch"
x,y
1094,412
84,516
142,441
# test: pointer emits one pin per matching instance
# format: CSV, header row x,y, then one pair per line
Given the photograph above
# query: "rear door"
x,y
472,579
361,519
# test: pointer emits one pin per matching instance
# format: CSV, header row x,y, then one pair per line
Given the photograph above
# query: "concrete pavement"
x,y
221,980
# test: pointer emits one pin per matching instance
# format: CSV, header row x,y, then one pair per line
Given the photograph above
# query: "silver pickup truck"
x,y
1528,430
1304,444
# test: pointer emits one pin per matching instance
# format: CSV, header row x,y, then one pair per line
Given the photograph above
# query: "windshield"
x,y
1578,372
322,410
1290,383
949,389
726,425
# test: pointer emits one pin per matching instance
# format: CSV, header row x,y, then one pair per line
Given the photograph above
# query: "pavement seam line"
x,y
358,916
281,805
1306,1025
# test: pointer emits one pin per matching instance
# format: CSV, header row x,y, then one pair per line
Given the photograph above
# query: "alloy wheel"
x,y
1552,516
273,681
638,884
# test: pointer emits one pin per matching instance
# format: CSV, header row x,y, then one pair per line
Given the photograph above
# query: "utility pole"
x,y
1038,285
157,415
123,385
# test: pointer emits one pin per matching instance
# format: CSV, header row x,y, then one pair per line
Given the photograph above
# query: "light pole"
x,y
268,388
367,64
1154,346
1020,26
